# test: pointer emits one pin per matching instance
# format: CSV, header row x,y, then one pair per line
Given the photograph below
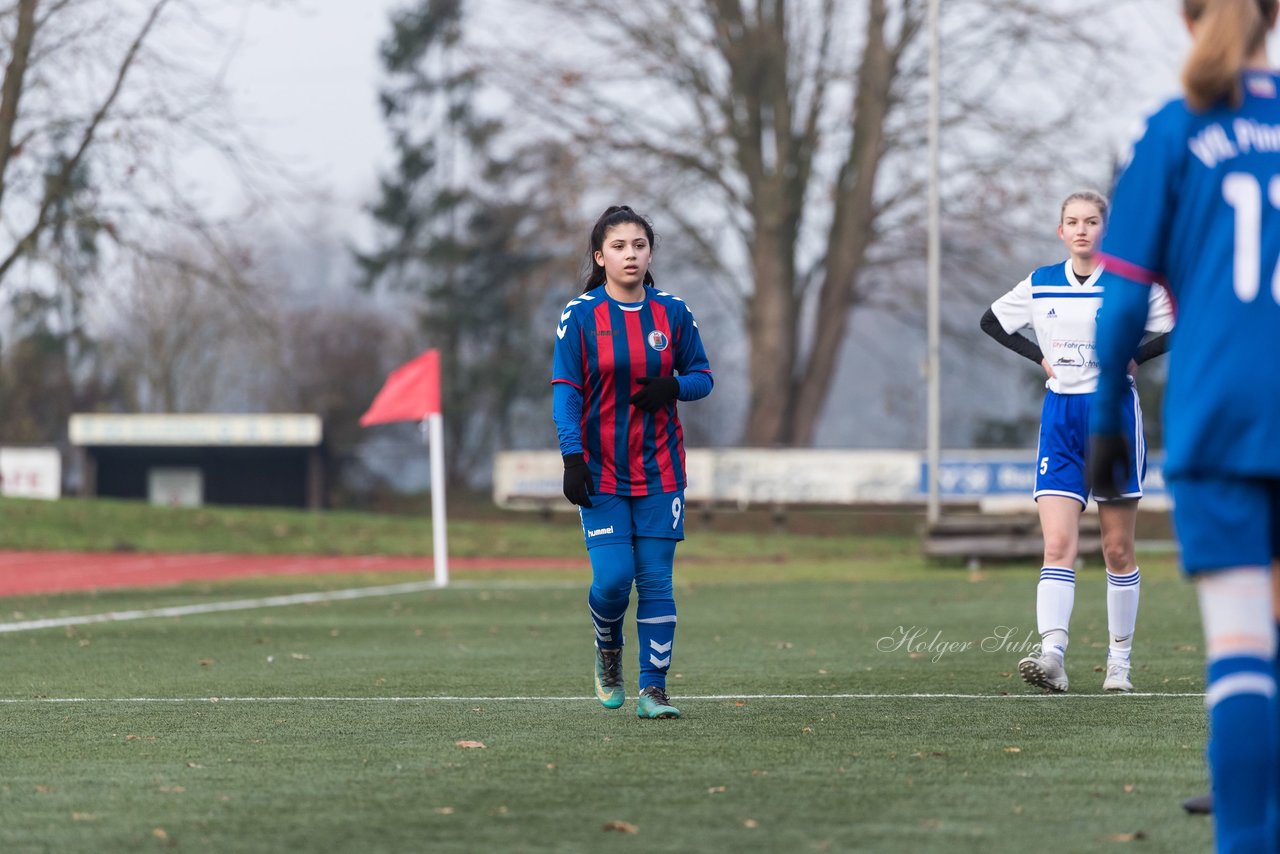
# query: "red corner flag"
x,y
411,393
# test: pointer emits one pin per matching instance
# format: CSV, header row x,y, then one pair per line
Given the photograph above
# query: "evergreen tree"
x,y
468,222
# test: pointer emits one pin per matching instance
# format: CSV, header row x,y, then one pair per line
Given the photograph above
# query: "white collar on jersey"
x,y
1071,276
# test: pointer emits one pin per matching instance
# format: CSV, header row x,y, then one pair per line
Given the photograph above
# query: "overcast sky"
x,y
305,78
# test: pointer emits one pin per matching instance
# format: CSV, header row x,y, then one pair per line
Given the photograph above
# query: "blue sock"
x,y
1275,779
1242,752
612,572
655,610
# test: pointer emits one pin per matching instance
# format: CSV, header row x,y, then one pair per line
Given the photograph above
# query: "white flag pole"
x,y
933,362
433,432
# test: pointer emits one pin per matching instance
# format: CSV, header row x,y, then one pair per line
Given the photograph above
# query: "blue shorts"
x,y
1064,441
1226,522
620,518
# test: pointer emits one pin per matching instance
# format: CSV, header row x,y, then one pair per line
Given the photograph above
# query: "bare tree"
x,y
787,136
170,332
103,104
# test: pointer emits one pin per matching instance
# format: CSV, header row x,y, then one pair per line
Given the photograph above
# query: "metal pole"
x,y
933,358
433,428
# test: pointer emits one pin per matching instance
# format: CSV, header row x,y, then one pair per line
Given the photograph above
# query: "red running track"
x,y
34,573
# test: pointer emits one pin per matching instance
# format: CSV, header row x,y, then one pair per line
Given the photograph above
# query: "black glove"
x,y
577,480
655,393
1109,461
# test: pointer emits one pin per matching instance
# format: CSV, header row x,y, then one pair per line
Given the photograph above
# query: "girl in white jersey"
x,y
1060,302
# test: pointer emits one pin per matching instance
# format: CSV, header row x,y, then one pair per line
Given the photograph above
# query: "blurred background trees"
x,y
470,222
777,146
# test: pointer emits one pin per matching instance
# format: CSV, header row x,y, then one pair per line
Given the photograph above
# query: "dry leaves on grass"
x,y
715,790
621,827
750,823
1136,836
1013,750
465,743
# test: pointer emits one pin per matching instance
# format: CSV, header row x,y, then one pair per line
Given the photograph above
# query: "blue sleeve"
x,y
566,362
566,410
690,356
1133,252
1143,202
694,386
1120,326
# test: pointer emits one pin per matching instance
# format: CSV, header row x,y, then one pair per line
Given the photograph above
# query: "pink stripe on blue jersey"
x,y
1132,272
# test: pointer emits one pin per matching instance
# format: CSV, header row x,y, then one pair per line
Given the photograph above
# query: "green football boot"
x,y
609,689
655,704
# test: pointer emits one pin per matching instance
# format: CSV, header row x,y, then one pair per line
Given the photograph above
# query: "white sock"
x,y
1235,611
1055,596
1122,612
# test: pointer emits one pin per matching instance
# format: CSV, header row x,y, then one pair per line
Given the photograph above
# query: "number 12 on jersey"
x,y
1243,192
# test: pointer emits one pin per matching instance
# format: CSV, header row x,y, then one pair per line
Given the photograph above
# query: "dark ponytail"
x,y
593,275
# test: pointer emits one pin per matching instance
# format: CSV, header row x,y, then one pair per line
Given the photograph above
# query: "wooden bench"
x,y
977,539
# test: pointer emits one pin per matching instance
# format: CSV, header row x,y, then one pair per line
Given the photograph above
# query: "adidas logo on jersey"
x,y
1051,313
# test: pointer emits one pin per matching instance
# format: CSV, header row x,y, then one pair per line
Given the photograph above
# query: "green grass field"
x,y
342,725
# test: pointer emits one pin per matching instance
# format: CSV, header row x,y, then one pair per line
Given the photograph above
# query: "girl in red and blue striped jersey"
x,y
625,352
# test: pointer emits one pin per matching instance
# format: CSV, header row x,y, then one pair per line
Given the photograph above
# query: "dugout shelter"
x,y
193,460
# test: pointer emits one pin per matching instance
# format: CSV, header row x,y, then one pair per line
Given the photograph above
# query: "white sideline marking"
x,y
694,697
266,602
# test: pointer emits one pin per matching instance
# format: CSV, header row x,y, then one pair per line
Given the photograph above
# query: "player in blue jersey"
x,y
1060,302
1198,211
625,352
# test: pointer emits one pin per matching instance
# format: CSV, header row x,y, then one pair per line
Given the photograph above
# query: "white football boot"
x,y
1044,671
1117,681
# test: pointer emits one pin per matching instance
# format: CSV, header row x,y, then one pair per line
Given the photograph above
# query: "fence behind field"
x,y
995,481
